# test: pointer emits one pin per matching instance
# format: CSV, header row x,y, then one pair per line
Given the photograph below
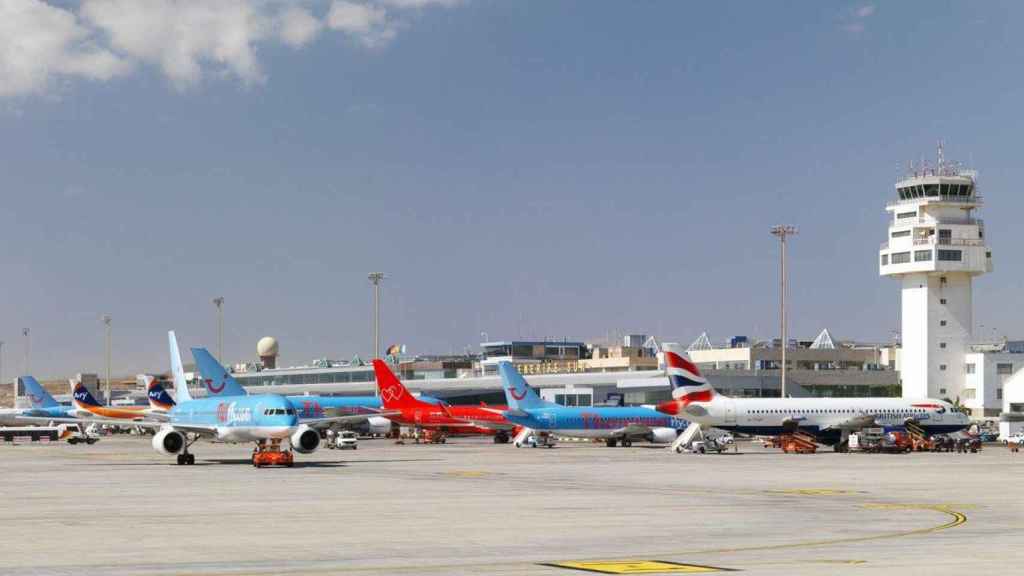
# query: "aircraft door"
x,y
730,412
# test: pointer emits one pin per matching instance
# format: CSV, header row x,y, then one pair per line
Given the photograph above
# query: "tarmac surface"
x,y
471,507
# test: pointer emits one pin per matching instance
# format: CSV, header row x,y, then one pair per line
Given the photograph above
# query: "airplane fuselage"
x,y
592,422
239,418
826,418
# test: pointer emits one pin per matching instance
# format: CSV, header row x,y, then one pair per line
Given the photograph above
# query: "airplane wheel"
x,y
191,459
181,459
610,442
627,443
90,441
679,449
72,441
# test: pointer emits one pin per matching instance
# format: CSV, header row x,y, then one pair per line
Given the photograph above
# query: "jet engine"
x,y
378,425
305,440
663,435
168,441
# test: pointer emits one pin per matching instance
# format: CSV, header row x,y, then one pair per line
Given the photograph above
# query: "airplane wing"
x,y
350,419
489,424
156,424
633,430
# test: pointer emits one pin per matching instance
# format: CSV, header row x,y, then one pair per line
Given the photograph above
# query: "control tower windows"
x,y
922,255
903,215
950,255
900,234
945,235
944,189
885,259
901,257
931,190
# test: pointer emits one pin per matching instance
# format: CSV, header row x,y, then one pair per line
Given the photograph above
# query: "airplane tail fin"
x,y
688,385
392,393
181,392
518,394
218,381
81,396
37,396
159,398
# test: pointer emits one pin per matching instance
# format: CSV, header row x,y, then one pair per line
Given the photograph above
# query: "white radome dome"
x,y
267,346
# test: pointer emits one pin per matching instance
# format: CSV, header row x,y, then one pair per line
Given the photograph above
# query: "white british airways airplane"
x,y
830,420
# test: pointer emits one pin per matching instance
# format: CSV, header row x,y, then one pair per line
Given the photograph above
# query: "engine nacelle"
x,y
663,435
378,425
169,441
305,440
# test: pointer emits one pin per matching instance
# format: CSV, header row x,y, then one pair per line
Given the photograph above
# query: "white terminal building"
x,y
936,248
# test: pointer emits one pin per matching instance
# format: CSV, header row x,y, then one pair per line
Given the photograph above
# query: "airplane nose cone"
x,y
670,407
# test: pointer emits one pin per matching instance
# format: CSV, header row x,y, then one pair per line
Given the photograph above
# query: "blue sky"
x,y
521,168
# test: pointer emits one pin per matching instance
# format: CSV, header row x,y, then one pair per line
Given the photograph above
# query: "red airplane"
x,y
445,419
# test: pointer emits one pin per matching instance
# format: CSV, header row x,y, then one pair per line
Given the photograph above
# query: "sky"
x,y
518,168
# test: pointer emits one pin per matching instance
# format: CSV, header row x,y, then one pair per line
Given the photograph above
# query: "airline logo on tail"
x,y
516,395
687,383
82,396
158,396
215,389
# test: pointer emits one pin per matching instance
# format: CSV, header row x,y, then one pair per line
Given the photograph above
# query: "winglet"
x,y
218,381
177,371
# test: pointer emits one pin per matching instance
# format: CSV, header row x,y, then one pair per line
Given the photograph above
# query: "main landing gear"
x,y
501,438
271,454
611,442
186,458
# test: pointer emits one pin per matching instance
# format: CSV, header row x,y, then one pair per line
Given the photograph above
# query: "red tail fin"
x,y
392,393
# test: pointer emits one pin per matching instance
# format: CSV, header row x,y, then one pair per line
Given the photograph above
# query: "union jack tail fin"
x,y
392,393
688,385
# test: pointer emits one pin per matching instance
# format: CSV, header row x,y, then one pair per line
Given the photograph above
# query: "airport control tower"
x,y
936,247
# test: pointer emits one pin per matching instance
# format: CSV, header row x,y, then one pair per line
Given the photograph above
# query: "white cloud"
x,y
419,3
298,26
368,23
854,22
101,39
178,35
39,43
865,11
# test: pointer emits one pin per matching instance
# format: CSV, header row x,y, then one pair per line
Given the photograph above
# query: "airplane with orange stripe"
x,y
85,404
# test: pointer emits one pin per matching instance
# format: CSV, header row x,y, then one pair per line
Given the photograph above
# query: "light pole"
x,y
375,279
782,232
28,349
219,303
107,318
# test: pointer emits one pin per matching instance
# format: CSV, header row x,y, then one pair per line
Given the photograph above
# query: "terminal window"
x,y
885,259
1004,368
950,255
942,322
942,300
942,367
969,368
942,345
922,255
901,257
900,233
903,215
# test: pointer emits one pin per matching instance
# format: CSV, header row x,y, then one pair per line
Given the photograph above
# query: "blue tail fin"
x,y
519,395
37,395
82,396
218,381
